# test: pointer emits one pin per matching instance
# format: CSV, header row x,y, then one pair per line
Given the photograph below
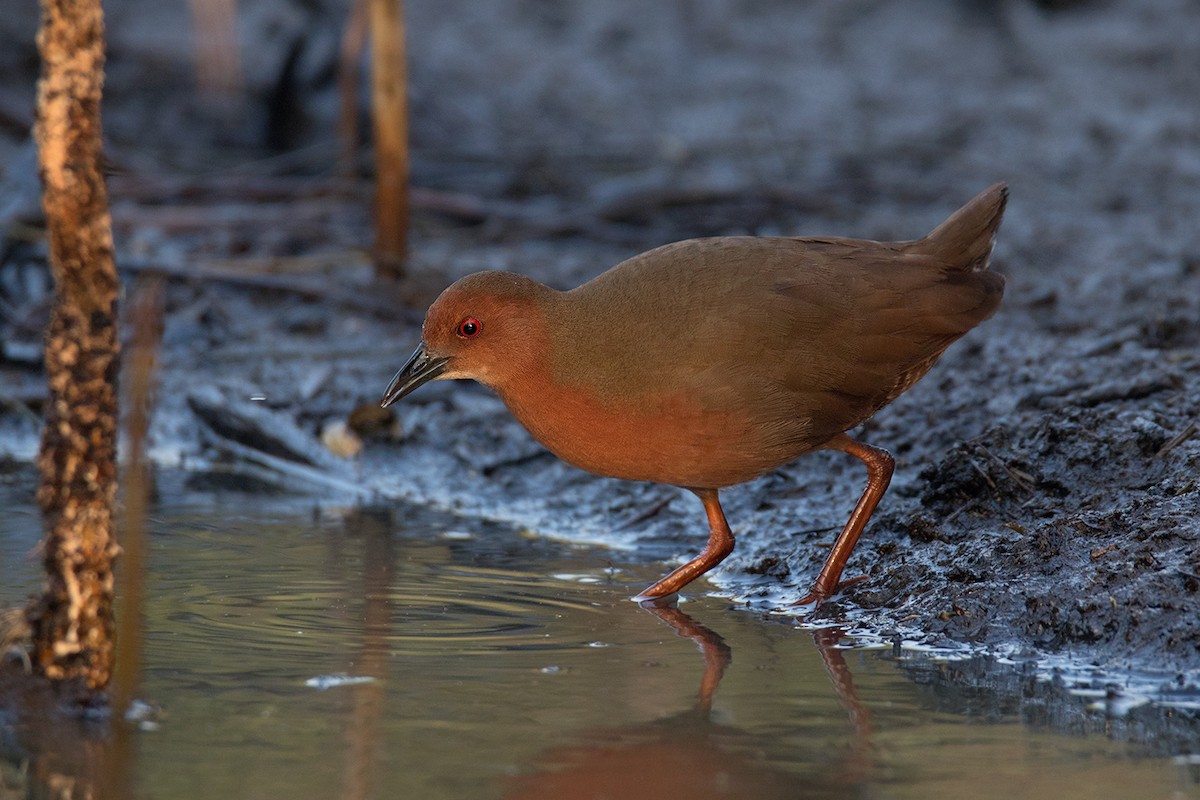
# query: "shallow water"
x,y
326,653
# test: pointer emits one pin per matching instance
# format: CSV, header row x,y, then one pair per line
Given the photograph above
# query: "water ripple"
x,y
426,609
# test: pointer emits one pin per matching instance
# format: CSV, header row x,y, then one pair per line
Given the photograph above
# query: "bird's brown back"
x,y
799,338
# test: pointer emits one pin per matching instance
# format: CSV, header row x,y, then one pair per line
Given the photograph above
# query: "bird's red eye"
x,y
469,328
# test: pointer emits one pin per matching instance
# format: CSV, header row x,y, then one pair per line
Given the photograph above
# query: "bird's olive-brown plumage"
x,y
708,362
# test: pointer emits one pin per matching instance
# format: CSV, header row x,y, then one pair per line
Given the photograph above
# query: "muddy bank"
x,y
1045,498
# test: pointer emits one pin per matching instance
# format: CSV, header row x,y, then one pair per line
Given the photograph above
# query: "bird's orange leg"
x,y
720,544
879,474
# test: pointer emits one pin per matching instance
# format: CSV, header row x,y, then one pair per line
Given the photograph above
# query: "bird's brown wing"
x,y
786,342
874,318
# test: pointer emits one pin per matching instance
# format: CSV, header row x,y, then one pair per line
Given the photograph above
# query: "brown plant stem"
x,y
354,39
218,62
389,86
72,621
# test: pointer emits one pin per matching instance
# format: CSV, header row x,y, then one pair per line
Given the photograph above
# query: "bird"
x,y
709,362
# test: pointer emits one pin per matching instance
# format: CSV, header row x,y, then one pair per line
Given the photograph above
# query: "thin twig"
x,y
982,473
653,511
965,506
1178,439
372,301
807,531
1022,479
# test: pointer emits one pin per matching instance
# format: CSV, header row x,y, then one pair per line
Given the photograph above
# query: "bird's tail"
x,y
964,241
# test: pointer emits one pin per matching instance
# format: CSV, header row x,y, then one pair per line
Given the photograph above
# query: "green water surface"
x,y
490,664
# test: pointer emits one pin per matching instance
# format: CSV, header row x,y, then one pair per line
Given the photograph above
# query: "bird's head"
x,y
487,326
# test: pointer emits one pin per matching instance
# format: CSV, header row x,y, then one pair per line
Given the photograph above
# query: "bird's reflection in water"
x,y
690,755
858,766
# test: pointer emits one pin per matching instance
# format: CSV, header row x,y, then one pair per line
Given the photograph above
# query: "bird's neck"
x,y
558,405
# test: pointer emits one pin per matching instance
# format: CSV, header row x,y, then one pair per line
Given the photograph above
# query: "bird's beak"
x,y
420,368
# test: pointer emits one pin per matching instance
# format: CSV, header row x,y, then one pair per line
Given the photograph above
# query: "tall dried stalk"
x,y
389,87
72,621
354,38
218,62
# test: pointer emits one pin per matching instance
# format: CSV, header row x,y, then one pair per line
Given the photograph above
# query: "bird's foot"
x,y
817,596
664,600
